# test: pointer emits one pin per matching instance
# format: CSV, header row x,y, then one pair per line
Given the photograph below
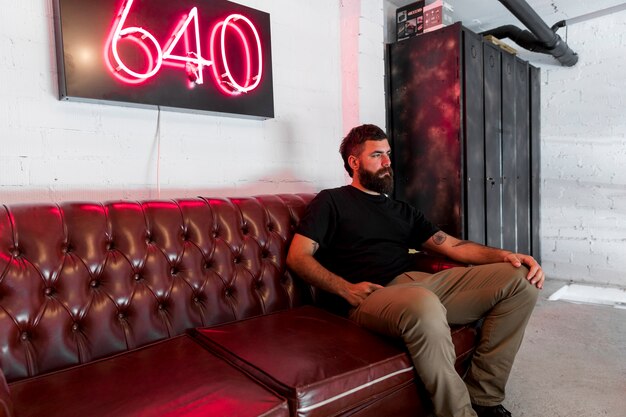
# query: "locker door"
x,y
425,86
493,144
509,151
522,142
473,109
535,160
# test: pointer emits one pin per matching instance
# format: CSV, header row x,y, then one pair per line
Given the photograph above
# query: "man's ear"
x,y
353,161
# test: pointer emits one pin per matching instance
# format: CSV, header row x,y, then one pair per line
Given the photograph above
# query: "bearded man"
x,y
353,243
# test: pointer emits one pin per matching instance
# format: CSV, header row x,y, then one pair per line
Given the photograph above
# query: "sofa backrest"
x,y
81,281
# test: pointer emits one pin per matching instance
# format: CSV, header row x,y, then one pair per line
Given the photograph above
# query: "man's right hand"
x,y
356,293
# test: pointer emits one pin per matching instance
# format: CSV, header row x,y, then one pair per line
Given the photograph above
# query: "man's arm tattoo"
x,y
439,238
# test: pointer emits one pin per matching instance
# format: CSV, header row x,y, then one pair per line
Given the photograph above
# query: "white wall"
x,y
372,63
55,151
584,157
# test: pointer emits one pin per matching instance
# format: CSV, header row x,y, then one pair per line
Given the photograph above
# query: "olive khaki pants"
x,y
418,306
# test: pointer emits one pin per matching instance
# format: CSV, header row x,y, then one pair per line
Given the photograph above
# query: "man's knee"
x,y
521,286
422,311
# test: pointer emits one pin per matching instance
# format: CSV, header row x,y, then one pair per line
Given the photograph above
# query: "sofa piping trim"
x,y
353,390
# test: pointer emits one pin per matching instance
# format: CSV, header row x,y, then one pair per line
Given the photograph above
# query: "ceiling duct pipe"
x,y
541,37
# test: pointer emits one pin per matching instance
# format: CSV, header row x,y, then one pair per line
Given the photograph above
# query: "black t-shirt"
x,y
364,237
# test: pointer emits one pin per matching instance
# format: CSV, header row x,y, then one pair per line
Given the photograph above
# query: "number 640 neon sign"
x,y
193,62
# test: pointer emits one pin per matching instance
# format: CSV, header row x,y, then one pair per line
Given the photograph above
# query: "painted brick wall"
x,y
372,63
584,156
54,151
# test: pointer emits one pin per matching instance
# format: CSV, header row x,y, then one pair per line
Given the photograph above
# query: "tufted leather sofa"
x,y
183,307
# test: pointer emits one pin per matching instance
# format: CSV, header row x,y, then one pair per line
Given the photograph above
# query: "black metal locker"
x,y
465,136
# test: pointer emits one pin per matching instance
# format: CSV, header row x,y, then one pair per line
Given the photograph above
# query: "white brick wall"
x,y
584,156
54,151
372,63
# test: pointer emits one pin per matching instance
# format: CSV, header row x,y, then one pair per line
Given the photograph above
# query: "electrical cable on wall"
x,y
158,158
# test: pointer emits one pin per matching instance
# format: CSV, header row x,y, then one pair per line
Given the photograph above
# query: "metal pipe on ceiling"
x,y
547,41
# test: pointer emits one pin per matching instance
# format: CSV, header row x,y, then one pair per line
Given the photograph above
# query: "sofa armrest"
x,y
427,262
6,404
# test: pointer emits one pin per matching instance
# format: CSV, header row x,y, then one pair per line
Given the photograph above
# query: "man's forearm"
x,y
477,254
310,270
465,250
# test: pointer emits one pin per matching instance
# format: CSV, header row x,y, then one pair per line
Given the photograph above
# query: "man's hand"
x,y
356,293
535,273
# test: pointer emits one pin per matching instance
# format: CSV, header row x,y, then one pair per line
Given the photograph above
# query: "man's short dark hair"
x,y
352,144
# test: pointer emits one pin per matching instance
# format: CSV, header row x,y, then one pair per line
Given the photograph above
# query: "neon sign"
x,y
213,56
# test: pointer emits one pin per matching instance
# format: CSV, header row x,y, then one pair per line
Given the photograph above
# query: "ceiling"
x,y
481,15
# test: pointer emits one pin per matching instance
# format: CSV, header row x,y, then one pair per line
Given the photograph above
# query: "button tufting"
x,y
49,291
161,307
75,327
228,292
137,277
24,336
196,299
207,265
16,253
237,259
110,246
121,316
173,271
94,283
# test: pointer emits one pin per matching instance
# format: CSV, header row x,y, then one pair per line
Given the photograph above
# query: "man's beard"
x,y
376,181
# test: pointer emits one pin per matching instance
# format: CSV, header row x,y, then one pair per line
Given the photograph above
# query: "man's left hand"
x,y
535,273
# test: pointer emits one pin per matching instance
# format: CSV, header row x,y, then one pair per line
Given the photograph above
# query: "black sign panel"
x,y
202,55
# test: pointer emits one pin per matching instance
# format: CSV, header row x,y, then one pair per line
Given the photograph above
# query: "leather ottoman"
x,y
323,364
174,377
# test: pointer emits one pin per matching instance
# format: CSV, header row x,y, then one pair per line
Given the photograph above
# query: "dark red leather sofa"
x,y
183,308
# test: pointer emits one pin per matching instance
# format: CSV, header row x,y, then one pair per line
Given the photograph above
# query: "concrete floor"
x,y
572,362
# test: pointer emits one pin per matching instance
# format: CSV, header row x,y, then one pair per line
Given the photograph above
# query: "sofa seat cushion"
x,y
173,377
322,363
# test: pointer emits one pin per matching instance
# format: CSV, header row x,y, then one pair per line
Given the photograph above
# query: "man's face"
x,y
374,166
